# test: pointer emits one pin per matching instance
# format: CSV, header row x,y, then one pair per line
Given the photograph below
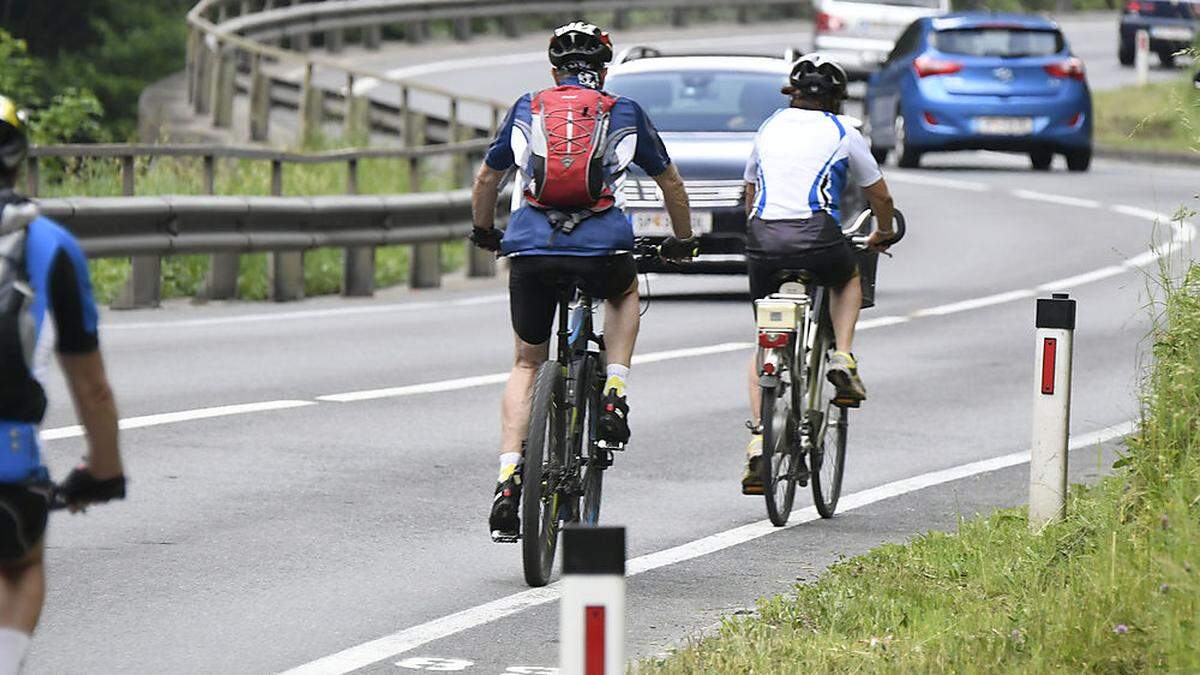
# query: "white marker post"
x,y
592,609
1051,410
1141,56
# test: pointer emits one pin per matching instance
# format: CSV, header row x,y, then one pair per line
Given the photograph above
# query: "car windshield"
x,y
1170,10
1000,41
927,4
703,100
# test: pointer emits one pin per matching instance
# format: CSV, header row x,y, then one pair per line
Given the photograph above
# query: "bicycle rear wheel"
x,y
543,457
595,459
777,465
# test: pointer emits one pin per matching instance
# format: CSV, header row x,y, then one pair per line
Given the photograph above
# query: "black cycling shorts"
x,y
831,266
23,514
533,281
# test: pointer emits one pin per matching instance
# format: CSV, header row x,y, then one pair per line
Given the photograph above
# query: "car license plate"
x,y
1004,126
1174,33
658,223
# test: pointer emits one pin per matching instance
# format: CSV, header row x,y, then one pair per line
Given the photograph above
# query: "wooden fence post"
x,y
260,101
223,87
32,179
312,107
285,269
144,286
358,262
372,37
221,283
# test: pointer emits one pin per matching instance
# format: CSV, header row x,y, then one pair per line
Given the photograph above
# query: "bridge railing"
x,y
233,44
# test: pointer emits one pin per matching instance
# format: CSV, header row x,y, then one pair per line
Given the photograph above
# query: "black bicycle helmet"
x,y
815,76
14,138
580,45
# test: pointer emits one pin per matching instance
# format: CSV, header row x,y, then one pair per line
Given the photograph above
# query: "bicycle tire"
x,y
594,461
539,511
826,475
777,464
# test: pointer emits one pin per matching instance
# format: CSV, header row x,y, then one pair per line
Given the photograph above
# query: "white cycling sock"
x,y
13,646
618,378
508,461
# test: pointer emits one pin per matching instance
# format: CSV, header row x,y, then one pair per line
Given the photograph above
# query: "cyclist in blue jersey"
x,y
803,158
562,141
45,303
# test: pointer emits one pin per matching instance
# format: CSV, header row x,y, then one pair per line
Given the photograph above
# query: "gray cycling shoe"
x,y
843,374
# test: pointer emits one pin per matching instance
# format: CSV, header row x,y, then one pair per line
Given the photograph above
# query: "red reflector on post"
x,y
593,640
1049,348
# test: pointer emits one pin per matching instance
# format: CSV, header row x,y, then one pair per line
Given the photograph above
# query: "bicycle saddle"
x,y
785,276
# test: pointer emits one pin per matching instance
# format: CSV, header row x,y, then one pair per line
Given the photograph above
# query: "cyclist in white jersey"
x,y
802,158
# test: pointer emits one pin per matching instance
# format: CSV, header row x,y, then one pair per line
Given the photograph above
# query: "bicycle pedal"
x,y
504,537
847,403
605,445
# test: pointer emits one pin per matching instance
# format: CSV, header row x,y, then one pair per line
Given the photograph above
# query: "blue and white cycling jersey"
x,y
800,161
65,319
632,138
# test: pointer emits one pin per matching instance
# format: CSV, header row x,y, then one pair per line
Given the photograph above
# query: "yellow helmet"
x,y
14,135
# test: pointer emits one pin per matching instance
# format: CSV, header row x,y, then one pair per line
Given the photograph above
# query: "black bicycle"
x,y
804,425
563,477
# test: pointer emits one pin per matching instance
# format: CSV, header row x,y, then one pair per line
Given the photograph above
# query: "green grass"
x,y
1113,589
183,276
1161,116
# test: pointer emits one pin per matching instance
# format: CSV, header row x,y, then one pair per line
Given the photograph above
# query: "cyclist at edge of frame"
x,y
45,303
571,145
794,180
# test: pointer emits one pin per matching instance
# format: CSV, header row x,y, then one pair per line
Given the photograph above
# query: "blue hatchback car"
x,y
976,81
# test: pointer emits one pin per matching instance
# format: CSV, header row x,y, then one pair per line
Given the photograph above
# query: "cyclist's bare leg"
x,y
22,592
755,391
843,311
622,317
514,407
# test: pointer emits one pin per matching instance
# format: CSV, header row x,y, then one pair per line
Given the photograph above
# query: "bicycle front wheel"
x,y
543,453
829,460
777,465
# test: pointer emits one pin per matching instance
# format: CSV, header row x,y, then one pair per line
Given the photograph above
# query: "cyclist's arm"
x,y
484,196
676,200
75,319
751,194
882,205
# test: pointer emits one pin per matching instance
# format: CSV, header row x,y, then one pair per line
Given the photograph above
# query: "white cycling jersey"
x,y
800,161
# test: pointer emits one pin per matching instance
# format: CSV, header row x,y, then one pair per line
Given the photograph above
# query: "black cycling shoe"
x,y
613,425
505,521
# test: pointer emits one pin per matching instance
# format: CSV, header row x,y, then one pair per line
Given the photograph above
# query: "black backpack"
x,y
21,397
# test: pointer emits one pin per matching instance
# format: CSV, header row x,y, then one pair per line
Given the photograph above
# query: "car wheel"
x,y
1041,159
1079,160
1167,58
906,157
1125,54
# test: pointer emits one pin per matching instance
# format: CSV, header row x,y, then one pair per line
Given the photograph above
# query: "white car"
x,y
859,34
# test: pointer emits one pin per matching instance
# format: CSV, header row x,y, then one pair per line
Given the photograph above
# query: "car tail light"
x,y
1075,119
1139,6
926,66
1071,68
772,340
827,22
930,119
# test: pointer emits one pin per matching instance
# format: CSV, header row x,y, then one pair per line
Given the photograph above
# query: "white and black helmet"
x,y
819,77
580,45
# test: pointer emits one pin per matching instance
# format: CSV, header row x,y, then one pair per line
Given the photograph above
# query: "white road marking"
x,y
1056,199
935,181
408,639
181,416
268,317
1083,279
974,303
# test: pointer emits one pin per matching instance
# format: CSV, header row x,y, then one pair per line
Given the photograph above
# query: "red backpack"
x,y
570,136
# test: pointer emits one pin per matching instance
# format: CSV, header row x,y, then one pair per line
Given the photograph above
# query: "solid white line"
x,y
922,179
411,638
181,416
974,303
267,317
1083,279
1056,199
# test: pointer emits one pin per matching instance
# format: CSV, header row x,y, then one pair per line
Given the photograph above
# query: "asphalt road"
x,y
310,521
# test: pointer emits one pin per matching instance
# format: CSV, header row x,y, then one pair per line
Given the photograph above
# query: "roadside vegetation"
x,y
1161,116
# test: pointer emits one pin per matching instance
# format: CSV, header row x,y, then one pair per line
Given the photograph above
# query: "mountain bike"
x,y
563,476
804,426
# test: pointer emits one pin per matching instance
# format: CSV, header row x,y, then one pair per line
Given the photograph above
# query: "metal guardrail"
x,y
228,37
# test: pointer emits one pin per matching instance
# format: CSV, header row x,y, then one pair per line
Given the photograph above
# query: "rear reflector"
x,y
1071,68
769,368
827,22
930,119
772,340
926,66
1075,119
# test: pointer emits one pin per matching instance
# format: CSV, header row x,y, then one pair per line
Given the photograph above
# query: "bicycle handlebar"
x,y
855,235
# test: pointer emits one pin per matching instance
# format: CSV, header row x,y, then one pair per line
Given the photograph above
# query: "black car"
x,y
1171,25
